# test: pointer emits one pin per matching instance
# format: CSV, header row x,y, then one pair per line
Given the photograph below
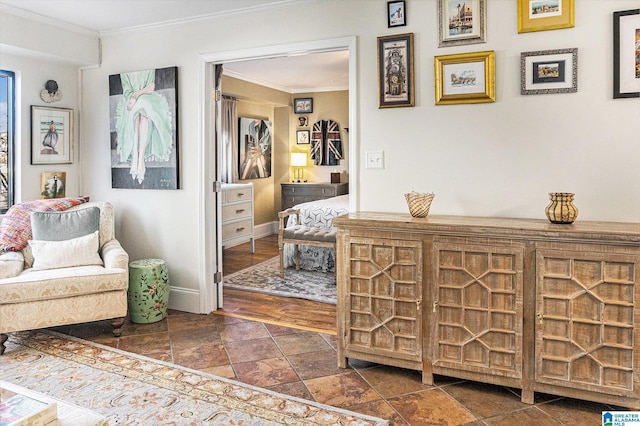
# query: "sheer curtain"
x,y
229,140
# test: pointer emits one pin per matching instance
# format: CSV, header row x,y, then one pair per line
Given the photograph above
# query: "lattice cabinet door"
x,y
478,309
585,325
383,300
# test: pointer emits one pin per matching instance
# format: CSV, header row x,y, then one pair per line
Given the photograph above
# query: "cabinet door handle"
x,y
240,229
240,194
239,210
418,304
435,305
539,316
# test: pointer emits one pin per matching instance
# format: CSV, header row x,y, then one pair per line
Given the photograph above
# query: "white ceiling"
x,y
296,74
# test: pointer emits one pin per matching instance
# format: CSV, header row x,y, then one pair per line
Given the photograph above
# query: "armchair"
x,y
40,295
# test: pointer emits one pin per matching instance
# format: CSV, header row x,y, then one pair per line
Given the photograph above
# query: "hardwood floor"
x,y
298,313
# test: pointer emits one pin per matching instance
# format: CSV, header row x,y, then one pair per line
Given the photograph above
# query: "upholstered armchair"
x,y
72,271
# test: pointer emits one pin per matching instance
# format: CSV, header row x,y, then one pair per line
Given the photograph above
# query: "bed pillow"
x,y
66,225
81,251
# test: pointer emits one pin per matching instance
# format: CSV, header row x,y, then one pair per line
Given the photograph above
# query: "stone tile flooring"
x,y
303,363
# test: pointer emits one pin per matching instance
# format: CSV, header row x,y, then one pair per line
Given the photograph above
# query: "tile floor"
x,y
303,364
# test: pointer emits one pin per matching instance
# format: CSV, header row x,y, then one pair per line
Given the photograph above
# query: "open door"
x,y
210,275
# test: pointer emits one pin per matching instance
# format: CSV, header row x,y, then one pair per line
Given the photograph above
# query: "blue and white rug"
x,y
265,278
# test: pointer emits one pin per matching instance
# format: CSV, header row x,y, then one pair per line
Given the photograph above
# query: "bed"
x,y
317,214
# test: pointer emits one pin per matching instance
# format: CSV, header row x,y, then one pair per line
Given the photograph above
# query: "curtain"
x,y
229,140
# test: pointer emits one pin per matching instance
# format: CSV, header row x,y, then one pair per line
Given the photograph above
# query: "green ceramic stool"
x,y
148,295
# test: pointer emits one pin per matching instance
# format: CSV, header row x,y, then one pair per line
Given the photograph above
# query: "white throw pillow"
x,y
79,251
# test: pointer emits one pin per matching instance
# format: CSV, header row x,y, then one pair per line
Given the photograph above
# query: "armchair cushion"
x,y
65,225
15,229
79,251
11,264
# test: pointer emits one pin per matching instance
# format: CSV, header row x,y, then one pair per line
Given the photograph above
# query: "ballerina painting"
x,y
52,135
143,129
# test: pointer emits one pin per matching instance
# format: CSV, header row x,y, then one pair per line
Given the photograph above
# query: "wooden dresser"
x,y
296,193
237,214
515,302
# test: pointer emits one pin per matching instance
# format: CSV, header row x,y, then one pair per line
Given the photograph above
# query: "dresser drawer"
x,y
237,194
315,190
236,229
236,211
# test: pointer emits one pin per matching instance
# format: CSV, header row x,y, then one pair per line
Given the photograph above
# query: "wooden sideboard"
x,y
237,214
296,193
515,302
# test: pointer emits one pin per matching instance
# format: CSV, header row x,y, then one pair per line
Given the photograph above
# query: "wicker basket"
x,y
419,203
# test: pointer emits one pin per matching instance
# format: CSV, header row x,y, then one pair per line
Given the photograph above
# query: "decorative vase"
x,y
419,203
561,208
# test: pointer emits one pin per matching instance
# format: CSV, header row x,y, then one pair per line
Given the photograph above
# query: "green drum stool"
x,y
148,295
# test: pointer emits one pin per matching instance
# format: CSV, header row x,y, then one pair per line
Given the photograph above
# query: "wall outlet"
x,y
374,159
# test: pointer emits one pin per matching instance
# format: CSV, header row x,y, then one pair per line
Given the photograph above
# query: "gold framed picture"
x,y
542,15
53,185
466,78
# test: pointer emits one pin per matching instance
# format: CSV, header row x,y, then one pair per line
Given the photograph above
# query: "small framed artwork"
x,y
549,71
303,121
395,71
53,184
626,54
461,22
467,78
302,137
303,105
541,15
51,135
396,14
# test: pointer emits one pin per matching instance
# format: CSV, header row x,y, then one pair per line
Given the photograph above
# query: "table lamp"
x,y
298,162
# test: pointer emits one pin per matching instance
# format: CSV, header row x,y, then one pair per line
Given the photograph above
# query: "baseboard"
x,y
265,229
184,299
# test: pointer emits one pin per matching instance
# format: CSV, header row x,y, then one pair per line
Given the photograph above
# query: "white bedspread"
x,y
318,214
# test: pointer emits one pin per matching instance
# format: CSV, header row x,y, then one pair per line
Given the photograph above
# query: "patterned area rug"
x,y
265,278
134,390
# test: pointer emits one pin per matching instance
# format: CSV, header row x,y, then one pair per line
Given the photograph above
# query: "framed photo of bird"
x,y
51,135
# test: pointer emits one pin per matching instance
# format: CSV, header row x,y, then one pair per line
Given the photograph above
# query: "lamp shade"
x,y
298,159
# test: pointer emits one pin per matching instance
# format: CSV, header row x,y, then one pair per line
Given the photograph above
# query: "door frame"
x,y
209,205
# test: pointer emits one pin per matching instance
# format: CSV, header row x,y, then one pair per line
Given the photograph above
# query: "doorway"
x,y
211,279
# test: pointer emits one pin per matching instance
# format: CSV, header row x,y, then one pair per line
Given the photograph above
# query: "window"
x,y
7,91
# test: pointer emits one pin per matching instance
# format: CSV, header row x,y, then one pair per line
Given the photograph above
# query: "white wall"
x,y
31,77
497,159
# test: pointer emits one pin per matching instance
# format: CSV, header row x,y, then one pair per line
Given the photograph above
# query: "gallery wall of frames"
x,y
469,77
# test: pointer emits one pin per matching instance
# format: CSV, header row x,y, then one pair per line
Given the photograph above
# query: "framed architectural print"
x,y
395,71
303,137
467,78
51,135
461,22
549,71
541,15
626,54
303,105
396,14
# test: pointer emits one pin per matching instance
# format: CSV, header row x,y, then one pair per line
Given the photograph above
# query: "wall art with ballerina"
x,y
51,135
144,129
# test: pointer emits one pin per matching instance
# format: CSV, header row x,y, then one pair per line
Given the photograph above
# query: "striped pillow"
x,y
15,229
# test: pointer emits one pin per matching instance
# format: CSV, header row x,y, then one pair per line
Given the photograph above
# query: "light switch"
x,y
374,159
